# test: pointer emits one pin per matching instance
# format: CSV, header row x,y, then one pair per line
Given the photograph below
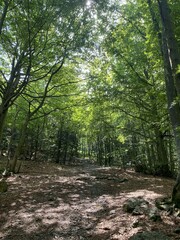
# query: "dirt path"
x,y
78,202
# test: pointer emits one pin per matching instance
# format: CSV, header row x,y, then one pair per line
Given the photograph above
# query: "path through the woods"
x,y
80,202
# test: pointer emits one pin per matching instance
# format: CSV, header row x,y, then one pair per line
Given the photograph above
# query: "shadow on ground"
x,y
83,202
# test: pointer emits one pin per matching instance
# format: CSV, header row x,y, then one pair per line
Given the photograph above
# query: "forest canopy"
x,y
91,79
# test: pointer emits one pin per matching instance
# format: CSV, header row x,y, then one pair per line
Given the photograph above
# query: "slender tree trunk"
x,y
59,145
162,166
99,151
3,114
153,156
18,150
171,155
34,146
149,159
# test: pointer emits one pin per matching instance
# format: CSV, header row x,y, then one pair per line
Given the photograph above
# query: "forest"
x,y
91,80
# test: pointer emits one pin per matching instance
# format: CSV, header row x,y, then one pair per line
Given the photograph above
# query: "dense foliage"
x,y
91,79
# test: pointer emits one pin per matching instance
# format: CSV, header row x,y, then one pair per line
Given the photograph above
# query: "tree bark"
x,y
20,145
171,61
171,43
3,114
4,13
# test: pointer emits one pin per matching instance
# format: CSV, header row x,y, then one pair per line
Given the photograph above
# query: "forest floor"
x,y
84,201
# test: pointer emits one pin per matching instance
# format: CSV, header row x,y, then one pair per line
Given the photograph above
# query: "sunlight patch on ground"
x,y
144,193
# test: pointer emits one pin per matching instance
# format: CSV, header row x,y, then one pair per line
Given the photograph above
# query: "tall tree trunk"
x,y
171,61
171,58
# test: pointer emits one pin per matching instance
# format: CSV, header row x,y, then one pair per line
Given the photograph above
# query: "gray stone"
x,y
154,215
141,209
137,206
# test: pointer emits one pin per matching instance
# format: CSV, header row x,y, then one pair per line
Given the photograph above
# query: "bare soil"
x,y
84,201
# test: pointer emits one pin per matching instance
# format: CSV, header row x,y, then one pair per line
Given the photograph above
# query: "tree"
x,y
137,88
41,99
171,59
163,24
36,37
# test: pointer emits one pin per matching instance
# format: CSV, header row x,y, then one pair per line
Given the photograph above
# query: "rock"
x,y
154,215
137,211
137,206
50,199
112,212
149,236
177,230
3,186
164,204
141,209
6,173
121,180
138,223
176,212
130,205
135,224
